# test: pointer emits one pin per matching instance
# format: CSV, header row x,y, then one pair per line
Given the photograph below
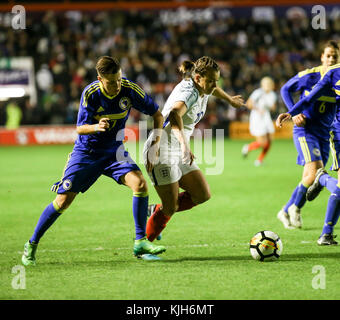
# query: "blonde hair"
x,y
201,66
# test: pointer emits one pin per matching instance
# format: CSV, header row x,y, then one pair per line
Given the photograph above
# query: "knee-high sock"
x,y
291,200
332,212
140,203
300,198
184,201
254,145
329,182
156,223
47,218
264,151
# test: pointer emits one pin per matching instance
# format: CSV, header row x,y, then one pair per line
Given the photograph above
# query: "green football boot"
x,y
144,246
28,258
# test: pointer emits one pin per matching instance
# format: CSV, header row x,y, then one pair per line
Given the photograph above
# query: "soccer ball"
x,y
266,246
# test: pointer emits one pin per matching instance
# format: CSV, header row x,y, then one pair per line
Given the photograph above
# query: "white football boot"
x,y
295,216
284,218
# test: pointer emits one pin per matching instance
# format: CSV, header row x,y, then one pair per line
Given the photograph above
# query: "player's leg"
x,y
136,182
47,218
158,220
311,154
308,176
196,188
258,143
265,148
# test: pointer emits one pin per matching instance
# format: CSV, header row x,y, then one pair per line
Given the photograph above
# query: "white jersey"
x,y
260,122
196,106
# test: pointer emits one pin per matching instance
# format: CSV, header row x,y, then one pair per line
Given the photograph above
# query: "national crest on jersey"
x,y
96,104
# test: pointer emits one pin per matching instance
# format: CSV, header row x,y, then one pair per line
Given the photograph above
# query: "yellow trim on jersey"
x,y
337,92
335,164
308,71
322,98
133,86
88,92
305,150
334,67
112,116
104,93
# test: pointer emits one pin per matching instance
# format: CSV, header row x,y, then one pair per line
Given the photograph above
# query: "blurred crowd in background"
x,y
66,45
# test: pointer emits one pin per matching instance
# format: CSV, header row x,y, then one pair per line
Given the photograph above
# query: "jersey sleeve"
x,y
143,102
292,85
316,92
188,95
256,94
86,110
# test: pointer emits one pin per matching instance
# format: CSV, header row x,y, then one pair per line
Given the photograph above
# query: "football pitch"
x,y
87,253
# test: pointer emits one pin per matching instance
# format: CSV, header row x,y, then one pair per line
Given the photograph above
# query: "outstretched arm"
x,y
235,101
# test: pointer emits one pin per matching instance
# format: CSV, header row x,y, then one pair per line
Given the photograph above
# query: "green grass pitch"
x,y
87,254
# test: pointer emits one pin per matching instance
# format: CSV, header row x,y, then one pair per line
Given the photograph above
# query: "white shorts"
x,y
163,174
260,125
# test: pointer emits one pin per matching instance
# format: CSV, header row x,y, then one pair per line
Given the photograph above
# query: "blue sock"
x,y
291,200
140,203
332,212
47,218
300,198
329,182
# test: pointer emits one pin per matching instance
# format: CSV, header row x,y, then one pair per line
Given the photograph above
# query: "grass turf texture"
x,y
87,254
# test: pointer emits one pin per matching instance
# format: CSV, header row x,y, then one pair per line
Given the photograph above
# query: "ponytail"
x,y
186,69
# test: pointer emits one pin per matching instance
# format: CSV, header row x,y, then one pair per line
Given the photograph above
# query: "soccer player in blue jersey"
x,y
104,109
310,133
329,82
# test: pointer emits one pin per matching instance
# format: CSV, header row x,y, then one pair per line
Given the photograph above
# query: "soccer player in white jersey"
x,y
261,102
176,167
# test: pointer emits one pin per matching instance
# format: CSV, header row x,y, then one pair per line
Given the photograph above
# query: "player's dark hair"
x,y
107,65
330,44
200,66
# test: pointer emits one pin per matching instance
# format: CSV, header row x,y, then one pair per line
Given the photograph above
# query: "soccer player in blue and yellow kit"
x,y
104,109
311,131
329,82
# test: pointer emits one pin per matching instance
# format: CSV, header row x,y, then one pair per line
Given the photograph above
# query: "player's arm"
x,y
94,128
176,122
153,152
235,101
293,85
305,102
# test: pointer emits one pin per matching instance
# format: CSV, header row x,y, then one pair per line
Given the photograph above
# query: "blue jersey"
x,y
96,104
320,112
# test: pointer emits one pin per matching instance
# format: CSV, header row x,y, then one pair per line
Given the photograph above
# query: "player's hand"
x,y
152,156
282,118
103,124
299,120
187,155
237,102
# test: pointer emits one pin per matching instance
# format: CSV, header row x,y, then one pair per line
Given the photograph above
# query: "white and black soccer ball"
x,y
266,246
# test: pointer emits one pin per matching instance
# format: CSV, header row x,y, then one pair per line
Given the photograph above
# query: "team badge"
x,y
125,103
67,184
316,152
164,172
